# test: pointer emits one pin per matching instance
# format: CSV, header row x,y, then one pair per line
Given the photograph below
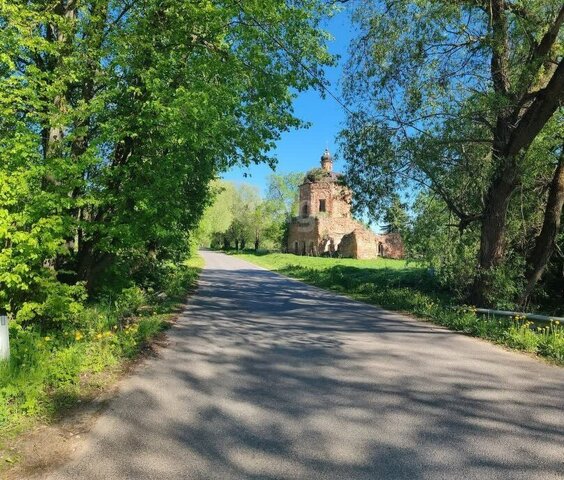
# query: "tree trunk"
x,y
494,220
496,205
546,240
91,263
84,263
516,128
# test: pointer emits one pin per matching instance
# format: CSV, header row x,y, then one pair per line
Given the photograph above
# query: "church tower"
x,y
325,225
327,161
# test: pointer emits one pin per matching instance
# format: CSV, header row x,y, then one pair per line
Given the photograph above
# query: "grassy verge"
x,y
49,373
394,285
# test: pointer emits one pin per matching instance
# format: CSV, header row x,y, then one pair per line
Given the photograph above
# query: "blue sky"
x,y
300,150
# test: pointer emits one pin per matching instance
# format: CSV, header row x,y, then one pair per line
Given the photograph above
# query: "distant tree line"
x,y
240,218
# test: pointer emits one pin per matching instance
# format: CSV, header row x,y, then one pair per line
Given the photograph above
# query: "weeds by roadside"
x,y
52,370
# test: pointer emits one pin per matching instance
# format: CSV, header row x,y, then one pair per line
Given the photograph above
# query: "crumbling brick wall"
x,y
366,243
336,199
360,243
392,245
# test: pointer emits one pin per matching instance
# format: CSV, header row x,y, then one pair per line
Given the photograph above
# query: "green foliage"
x,y
396,285
247,220
395,216
218,215
129,301
431,239
55,304
52,370
428,109
282,201
115,117
175,277
282,193
317,175
239,217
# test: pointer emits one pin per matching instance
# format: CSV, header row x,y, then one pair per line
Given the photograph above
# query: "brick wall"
x,y
337,199
392,245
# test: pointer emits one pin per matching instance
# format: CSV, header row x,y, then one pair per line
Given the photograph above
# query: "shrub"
x,y
65,364
59,344
551,341
59,304
129,301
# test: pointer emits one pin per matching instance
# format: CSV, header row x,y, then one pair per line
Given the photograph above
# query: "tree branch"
x,y
549,38
500,47
544,105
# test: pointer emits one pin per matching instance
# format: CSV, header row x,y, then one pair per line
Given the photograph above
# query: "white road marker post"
x,y
4,337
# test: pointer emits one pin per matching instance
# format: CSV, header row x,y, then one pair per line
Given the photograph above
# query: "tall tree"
x,y
395,216
282,190
218,215
459,93
282,197
115,115
545,242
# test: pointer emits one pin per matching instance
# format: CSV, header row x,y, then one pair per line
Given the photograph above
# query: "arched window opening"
x,y
380,249
305,210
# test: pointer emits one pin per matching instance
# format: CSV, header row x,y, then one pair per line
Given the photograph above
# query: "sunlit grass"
x,y
398,285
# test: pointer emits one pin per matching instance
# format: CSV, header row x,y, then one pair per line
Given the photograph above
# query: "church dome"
x,y
327,161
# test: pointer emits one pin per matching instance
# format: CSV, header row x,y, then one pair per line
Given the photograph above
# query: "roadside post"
x,y
4,337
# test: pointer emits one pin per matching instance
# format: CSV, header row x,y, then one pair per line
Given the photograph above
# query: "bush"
x,y
55,361
58,304
129,301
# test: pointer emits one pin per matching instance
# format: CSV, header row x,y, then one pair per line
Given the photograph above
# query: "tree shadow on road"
x,y
266,378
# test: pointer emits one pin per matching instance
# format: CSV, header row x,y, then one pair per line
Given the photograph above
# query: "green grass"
x,y
396,285
48,373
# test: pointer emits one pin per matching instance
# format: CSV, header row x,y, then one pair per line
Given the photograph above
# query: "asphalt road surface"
x,y
267,378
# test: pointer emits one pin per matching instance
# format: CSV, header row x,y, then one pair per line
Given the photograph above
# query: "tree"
x,y
239,215
460,93
245,226
545,243
395,216
282,191
116,115
218,215
283,203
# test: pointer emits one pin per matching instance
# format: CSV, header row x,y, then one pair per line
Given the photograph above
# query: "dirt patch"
x,y
47,446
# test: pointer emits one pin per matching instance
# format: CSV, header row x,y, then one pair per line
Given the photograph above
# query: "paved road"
x,y
266,378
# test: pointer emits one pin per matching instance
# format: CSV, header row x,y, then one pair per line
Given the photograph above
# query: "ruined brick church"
x,y
325,225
